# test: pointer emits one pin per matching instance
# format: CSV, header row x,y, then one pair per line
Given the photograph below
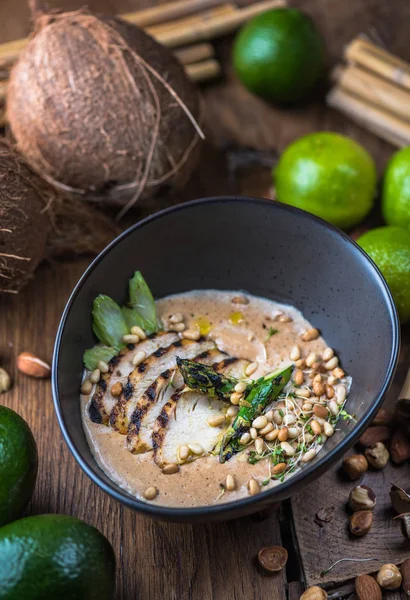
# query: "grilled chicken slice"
x,y
184,420
153,399
146,373
102,402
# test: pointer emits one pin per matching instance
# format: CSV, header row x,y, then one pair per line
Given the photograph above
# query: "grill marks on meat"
x,y
146,373
120,366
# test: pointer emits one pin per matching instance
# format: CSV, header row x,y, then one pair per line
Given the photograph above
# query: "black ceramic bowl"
x,y
267,249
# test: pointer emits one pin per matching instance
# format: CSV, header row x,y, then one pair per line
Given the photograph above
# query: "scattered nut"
x,y
31,365
86,387
150,493
360,522
314,593
240,300
230,483
389,577
377,455
273,558
253,487
405,573
367,588
321,411
279,468
116,389
372,435
362,498
355,465
5,381
170,469
400,446
310,335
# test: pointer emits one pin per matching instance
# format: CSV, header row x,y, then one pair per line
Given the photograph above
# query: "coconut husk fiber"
x,y
101,109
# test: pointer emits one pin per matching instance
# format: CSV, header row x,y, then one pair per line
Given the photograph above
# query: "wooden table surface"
x,y
216,562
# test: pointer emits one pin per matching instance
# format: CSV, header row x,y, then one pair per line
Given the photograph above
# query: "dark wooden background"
x,y
217,562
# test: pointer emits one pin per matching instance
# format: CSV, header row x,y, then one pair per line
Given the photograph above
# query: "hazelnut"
x,y
362,498
314,593
377,455
31,365
273,558
389,577
355,465
5,381
360,522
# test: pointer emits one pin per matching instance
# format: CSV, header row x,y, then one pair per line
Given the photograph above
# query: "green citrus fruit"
x,y
55,557
18,465
389,248
279,55
396,190
328,175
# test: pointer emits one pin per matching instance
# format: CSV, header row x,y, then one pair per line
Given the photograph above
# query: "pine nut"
x,y
331,364
289,419
216,420
294,353
259,445
279,468
321,421
318,367
303,392
310,359
240,300
269,416
250,337
318,388
176,318
150,493
253,487
288,449
310,454
241,387
260,422
245,439
300,364
183,452
328,429
321,411
331,380
285,319
307,407
283,434
293,432
250,369
116,389
95,376
330,392
298,377
235,398
196,449
277,417
328,353
136,330
86,387
191,334
338,373
253,433
138,358
130,339
341,394
315,426
317,379
104,368
178,327
232,411
310,335
230,483
272,435
333,407
170,469
308,437
266,429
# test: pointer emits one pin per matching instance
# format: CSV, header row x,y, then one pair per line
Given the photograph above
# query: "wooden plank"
x,y
320,547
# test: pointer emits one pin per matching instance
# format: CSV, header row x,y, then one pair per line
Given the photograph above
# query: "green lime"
x,y
55,557
18,465
328,175
279,55
389,248
396,190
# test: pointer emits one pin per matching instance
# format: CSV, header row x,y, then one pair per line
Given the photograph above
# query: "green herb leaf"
x,y
142,303
108,323
271,333
93,356
266,481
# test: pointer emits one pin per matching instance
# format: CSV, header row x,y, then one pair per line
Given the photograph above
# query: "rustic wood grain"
x,y
215,562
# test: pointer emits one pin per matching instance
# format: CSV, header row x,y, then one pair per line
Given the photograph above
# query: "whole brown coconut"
x,y
100,108
24,223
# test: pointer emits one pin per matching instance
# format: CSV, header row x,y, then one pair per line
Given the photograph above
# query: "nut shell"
x,y
31,365
273,558
362,498
361,522
377,455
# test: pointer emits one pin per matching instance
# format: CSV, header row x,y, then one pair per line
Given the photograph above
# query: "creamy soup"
x,y
160,439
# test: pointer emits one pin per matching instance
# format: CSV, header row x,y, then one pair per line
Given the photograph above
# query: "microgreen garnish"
x,y
271,333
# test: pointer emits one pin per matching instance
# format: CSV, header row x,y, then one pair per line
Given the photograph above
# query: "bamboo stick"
x,y
168,12
224,9
373,118
379,61
375,89
196,53
204,70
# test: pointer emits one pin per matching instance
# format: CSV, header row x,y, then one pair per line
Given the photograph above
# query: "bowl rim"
x,y
277,493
